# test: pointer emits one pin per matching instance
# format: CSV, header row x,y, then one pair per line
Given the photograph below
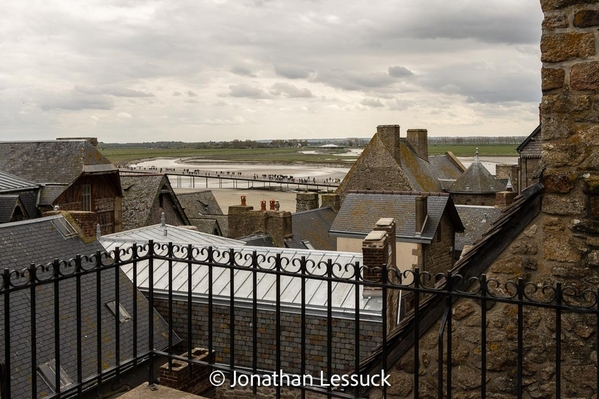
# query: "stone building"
x,y
477,186
550,233
392,163
73,176
426,224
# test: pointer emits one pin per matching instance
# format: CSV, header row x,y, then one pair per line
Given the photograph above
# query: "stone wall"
x,y
343,349
570,138
306,201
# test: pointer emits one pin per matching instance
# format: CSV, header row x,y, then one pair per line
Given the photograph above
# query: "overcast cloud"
x,y
193,70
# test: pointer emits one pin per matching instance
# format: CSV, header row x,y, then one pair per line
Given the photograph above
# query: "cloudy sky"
x,y
199,70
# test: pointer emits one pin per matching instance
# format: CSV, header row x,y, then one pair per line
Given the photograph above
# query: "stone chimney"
x,y
418,139
244,221
388,226
306,201
508,171
375,249
331,200
389,134
570,137
504,198
421,217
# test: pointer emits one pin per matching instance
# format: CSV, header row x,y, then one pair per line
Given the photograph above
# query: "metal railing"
x,y
56,321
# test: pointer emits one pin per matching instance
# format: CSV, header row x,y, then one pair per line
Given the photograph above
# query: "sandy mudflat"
x,y
232,196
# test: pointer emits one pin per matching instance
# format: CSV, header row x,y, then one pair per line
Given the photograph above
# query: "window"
x,y
48,373
123,314
86,197
65,228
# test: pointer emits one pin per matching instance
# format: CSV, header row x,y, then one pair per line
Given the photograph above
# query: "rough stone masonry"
x,y
560,244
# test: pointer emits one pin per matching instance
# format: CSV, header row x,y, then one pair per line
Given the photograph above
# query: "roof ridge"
x,y
392,192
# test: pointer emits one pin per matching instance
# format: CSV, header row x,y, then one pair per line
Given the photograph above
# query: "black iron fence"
x,y
81,327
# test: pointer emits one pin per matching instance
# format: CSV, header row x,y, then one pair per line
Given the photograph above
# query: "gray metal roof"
x,y
361,210
40,241
174,234
316,290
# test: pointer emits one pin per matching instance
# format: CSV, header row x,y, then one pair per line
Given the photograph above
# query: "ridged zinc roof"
x,y
316,291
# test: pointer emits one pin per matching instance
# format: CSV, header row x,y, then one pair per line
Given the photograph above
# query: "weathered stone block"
x,y
511,266
557,181
557,126
593,242
550,5
573,204
524,247
585,76
463,310
566,46
586,226
552,78
589,134
551,22
586,19
555,248
567,152
401,384
564,103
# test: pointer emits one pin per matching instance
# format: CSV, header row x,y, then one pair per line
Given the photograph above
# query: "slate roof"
x,y
411,172
41,241
314,226
199,203
476,180
531,146
476,220
512,221
10,183
50,192
60,161
362,209
140,195
316,292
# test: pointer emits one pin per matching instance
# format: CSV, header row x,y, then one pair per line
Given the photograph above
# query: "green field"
x,y
280,155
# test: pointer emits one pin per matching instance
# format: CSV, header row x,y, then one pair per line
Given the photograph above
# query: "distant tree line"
x,y
476,140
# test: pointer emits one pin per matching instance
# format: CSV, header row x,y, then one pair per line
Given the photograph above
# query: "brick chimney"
x,y
418,139
388,226
570,137
389,134
374,251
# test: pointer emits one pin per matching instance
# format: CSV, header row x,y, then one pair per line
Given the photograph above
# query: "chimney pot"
x,y
272,204
263,205
243,200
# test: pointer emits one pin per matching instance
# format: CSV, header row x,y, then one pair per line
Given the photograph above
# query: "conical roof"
x,y
476,180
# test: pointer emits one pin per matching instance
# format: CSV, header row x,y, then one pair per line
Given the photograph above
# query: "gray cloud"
x,y
372,102
74,101
292,71
242,71
244,90
355,80
191,93
287,90
177,94
113,91
399,72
